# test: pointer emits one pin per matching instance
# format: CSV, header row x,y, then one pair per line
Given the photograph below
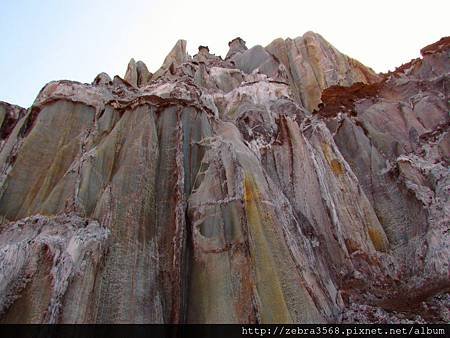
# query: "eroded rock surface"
x,y
313,64
211,192
9,115
137,73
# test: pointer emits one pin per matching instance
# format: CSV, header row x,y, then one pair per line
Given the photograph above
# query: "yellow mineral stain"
x,y
326,151
378,240
274,308
336,165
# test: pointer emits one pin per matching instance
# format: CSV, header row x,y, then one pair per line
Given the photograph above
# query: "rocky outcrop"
x,y
9,115
257,60
177,56
313,64
236,45
212,193
137,73
205,56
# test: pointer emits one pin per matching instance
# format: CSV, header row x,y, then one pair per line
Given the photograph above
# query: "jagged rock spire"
x,y
131,73
144,75
137,73
177,56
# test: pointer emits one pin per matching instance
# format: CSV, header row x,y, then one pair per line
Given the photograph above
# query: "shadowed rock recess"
x,y
287,184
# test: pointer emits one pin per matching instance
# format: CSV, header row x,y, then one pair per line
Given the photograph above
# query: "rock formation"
x,y
137,73
313,65
285,184
9,115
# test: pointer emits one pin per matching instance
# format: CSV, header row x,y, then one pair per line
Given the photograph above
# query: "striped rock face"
x,y
285,184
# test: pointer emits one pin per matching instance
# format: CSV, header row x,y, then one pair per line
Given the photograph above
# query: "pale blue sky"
x,y
50,40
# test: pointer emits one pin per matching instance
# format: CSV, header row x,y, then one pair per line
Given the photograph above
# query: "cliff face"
x,y
281,184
